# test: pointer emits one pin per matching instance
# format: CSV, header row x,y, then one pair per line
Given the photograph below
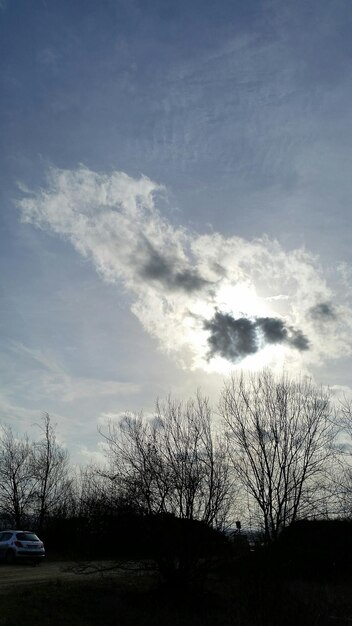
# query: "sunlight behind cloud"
x,y
241,299
212,302
274,357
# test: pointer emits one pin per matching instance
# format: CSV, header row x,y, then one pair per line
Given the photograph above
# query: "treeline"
x,y
269,455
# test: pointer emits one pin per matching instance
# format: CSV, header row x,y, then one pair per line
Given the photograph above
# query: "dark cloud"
x,y
230,338
297,339
189,280
155,267
219,269
158,267
234,339
275,330
323,311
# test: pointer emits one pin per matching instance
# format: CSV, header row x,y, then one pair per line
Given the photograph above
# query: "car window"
x,y
6,536
27,537
1,534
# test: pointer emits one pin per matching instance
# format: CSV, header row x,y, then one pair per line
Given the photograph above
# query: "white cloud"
x,y
341,392
178,279
85,455
109,416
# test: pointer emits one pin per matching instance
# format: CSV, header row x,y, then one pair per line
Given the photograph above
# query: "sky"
x,y
174,202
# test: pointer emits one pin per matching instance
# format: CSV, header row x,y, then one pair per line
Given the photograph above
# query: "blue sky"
x,y
175,201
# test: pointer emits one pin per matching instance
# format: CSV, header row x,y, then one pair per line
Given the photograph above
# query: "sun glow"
x,y
239,300
270,356
242,300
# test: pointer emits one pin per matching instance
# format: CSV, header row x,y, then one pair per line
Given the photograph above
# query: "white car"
x,y
21,544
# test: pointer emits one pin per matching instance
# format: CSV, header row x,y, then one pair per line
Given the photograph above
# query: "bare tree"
x,y
174,463
17,483
96,494
50,468
343,476
280,435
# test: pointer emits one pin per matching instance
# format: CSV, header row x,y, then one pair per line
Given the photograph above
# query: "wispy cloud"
x,y
14,414
49,379
182,283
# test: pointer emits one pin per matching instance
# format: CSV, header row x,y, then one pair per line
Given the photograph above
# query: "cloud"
x,y
324,311
26,420
88,456
239,299
160,268
235,339
14,414
110,416
276,331
48,378
278,297
341,391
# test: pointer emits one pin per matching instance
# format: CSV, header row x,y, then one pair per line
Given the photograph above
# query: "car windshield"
x,y
27,537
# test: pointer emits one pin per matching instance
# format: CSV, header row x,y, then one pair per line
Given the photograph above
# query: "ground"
x,y
55,594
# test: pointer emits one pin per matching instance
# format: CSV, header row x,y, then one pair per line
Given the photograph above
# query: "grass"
x,y
229,598
103,602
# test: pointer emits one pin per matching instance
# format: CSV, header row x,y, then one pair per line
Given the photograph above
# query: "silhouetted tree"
x,y
343,476
280,436
50,469
17,485
174,463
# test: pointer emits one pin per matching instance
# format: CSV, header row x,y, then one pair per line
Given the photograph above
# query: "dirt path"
x,y
25,574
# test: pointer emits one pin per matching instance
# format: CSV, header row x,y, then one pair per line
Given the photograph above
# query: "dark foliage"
x,y
315,548
178,546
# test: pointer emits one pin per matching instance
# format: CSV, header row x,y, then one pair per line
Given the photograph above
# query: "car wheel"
x,y
10,557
